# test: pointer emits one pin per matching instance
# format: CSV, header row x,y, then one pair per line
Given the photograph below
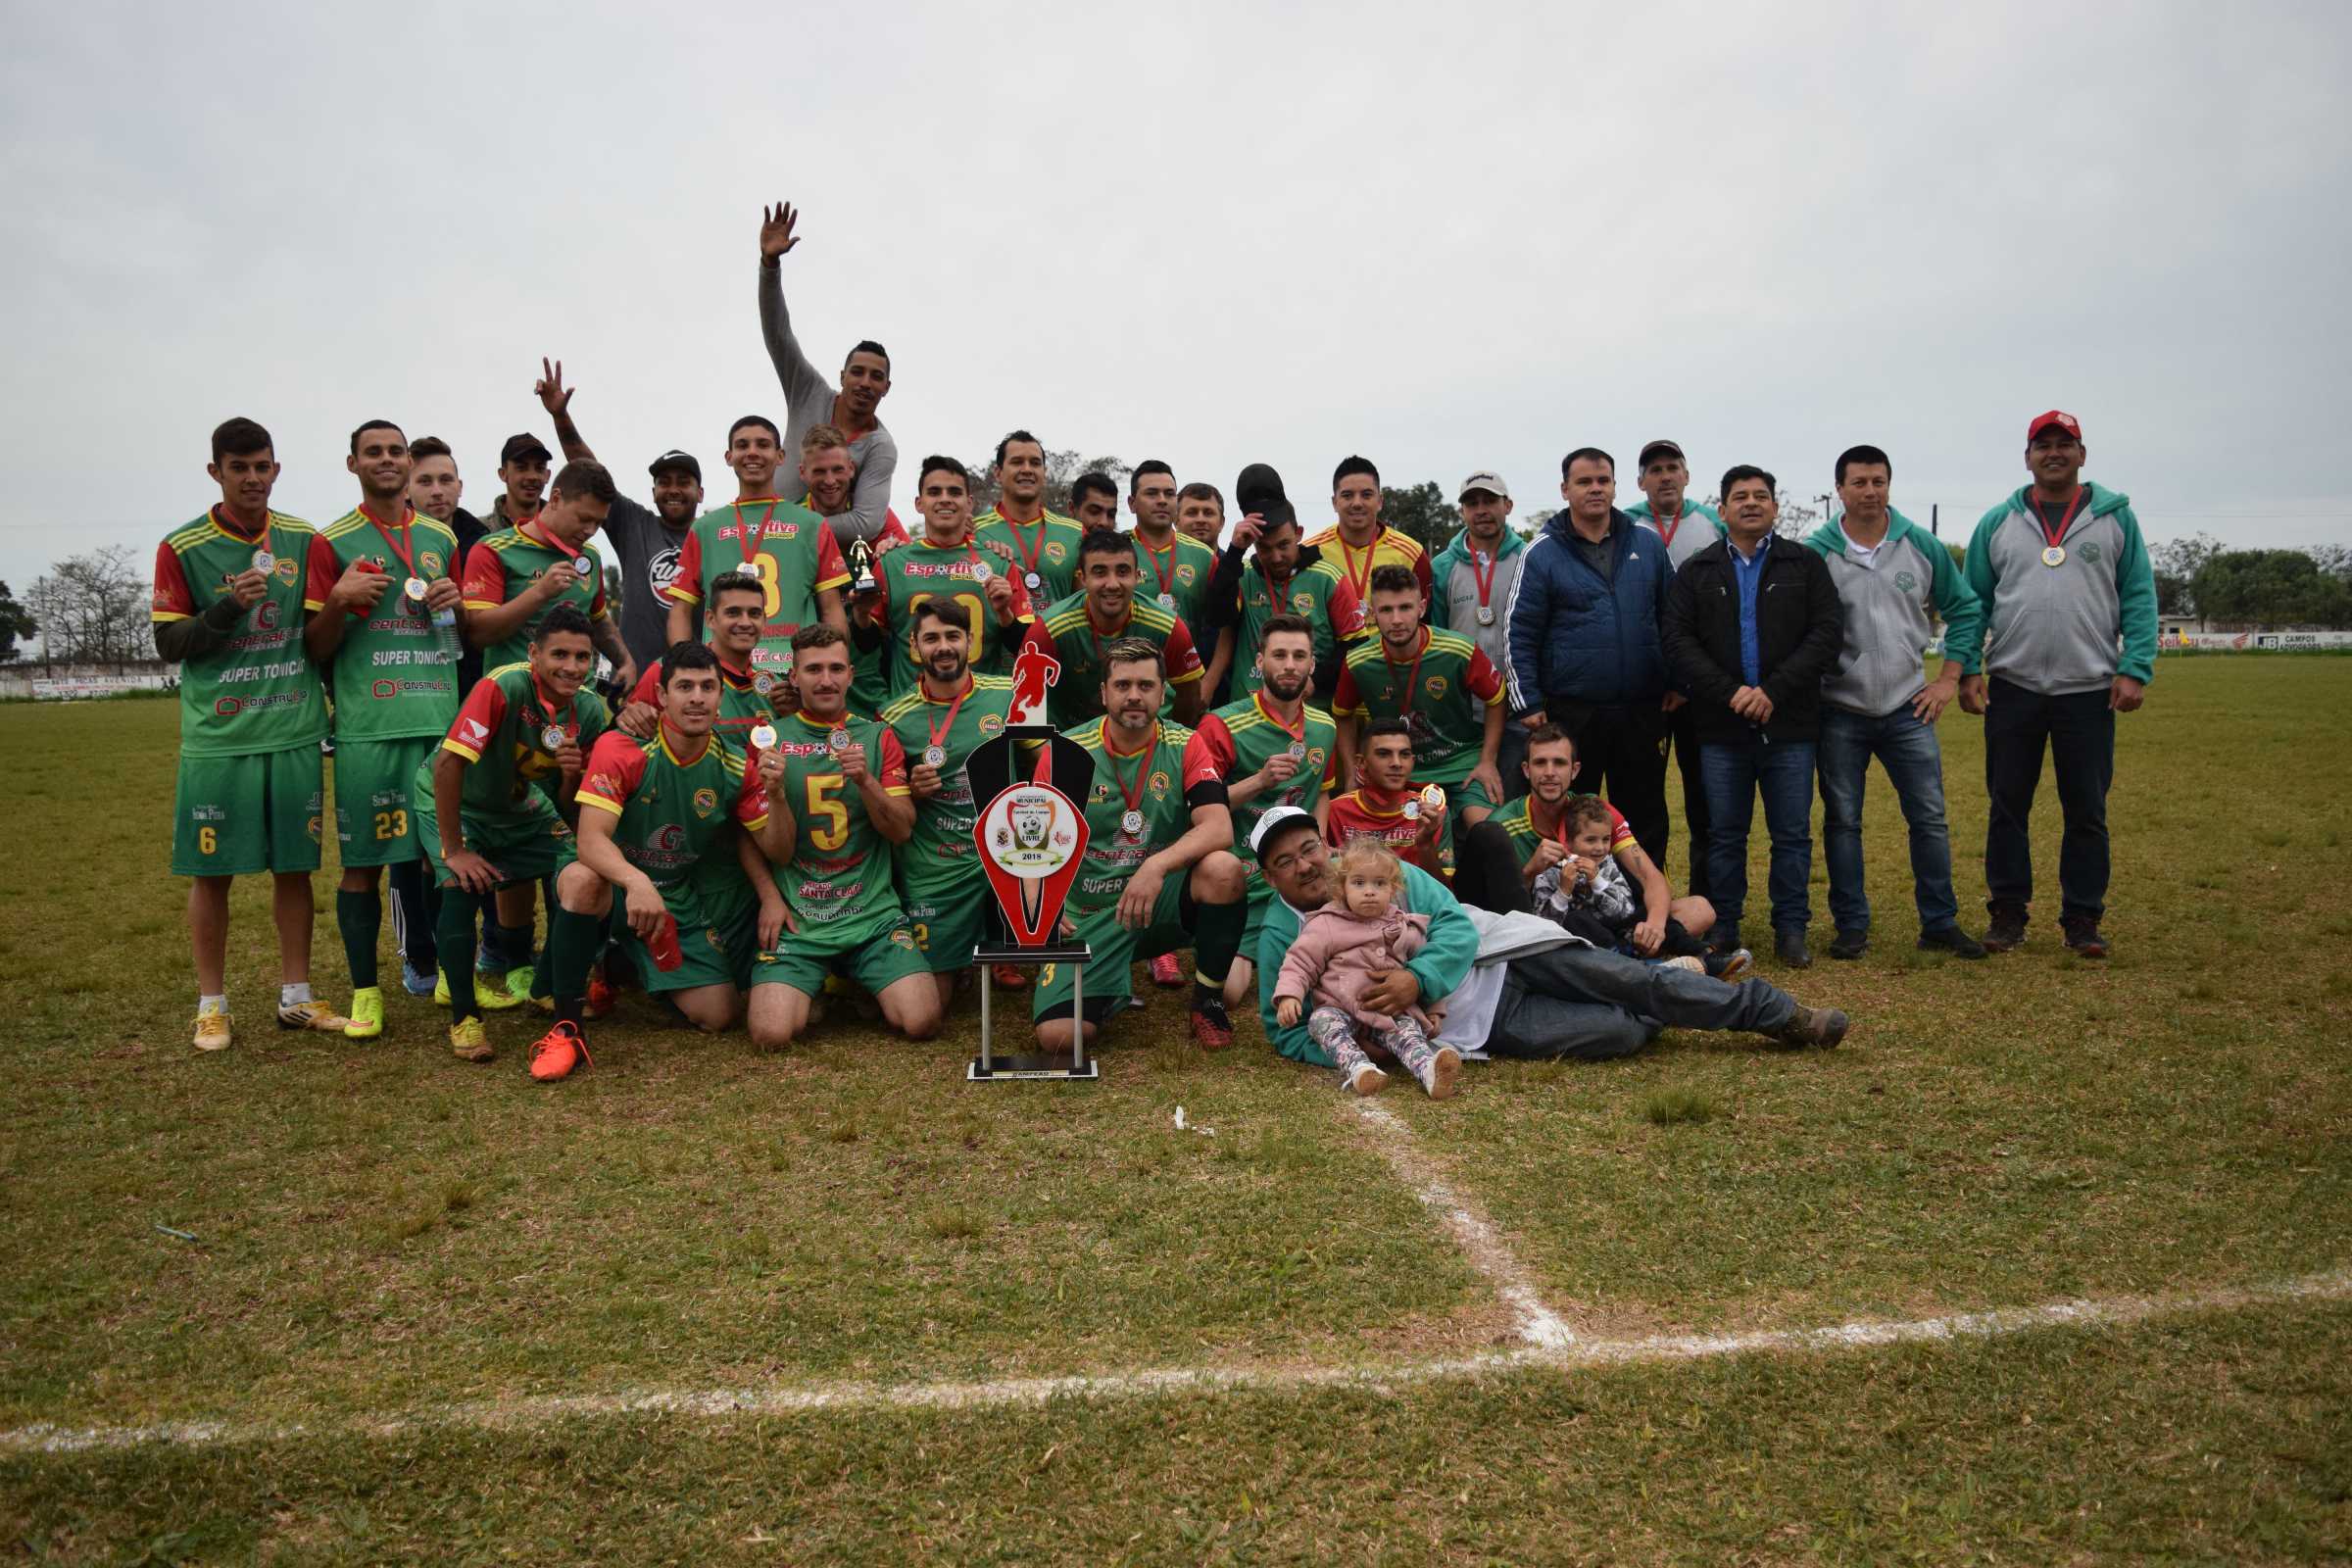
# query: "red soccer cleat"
x,y
1009,977
558,1051
1168,973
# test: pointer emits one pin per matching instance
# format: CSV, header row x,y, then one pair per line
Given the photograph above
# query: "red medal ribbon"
x,y
2082,497
940,730
1413,682
547,709
1362,587
1666,533
1029,553
260,541
1167,578
1299,734
1486,578
404,551
753,535
1133,796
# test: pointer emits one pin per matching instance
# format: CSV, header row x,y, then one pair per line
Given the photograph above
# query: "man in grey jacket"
x,y
810,400
1891,575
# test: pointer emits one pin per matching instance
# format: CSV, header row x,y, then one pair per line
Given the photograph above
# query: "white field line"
x,y
526,1413
1475,1234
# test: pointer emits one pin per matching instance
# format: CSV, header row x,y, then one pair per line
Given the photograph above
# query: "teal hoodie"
x,y
1886,603
1453,594
1687,541
2055,630
1442,966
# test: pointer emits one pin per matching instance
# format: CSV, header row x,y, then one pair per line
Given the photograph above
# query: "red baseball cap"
x,y
2064,422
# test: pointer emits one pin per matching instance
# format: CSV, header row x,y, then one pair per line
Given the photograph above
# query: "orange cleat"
x,y
601,998
1167,973
558,1051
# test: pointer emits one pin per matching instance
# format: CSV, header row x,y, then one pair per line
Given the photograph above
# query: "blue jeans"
x,y
1914,764
1782,772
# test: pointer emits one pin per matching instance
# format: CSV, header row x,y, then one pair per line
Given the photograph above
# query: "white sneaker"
x,y
1694,965
1444,1070
1366,1080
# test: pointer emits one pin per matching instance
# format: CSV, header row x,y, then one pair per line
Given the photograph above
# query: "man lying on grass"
x,y
1510,984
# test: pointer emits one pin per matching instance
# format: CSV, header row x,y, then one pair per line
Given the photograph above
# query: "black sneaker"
x,y
2082,939
1815,1028
1850,944
1789,946
1730,968
1956,942
2007,931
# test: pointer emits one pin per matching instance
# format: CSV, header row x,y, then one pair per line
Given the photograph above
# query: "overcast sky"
x,y
1448,237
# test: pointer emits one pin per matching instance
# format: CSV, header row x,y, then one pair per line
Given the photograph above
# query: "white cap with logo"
x,y
1490,483
1273,823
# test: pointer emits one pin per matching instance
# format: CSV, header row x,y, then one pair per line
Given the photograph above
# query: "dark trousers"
x,y
1781,771
2078,730
1621,751
1585,1003
1683,724
1485,870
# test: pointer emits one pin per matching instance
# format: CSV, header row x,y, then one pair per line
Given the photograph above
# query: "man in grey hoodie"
x,y
1470,586
2069,642
810,400
1890,577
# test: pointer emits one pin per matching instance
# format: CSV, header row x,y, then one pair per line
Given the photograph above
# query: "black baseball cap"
x,y
525,445
1260,490
674,459
1654,451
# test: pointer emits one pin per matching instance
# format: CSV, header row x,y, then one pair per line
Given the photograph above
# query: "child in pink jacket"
x,y
1338,949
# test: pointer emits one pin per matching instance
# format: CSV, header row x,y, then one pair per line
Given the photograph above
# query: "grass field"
x,y
386,1235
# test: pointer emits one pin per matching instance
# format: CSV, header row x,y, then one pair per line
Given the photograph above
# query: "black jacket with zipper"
x,y
1799,628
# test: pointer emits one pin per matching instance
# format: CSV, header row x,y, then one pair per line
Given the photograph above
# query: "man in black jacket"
x,y
1752,626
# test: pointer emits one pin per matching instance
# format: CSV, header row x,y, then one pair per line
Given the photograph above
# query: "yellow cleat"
x,y
212,1031
440,988
491,993
366,1014
468,1042
314,1015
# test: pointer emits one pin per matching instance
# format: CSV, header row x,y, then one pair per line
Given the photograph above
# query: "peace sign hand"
x,y
554,397
775,230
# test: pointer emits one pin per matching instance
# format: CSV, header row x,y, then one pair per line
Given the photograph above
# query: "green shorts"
x,y
715,951
1469,792
376,820
949,922
232,815
526,843
1114,949
871,958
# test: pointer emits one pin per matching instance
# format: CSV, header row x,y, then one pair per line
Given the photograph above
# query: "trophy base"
x,y
1033,1067
1071,1067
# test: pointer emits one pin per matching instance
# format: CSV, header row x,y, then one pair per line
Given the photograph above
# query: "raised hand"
x,y
775,230
553,396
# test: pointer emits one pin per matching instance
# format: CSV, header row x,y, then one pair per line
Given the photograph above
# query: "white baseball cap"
x,y
1273,823
1490,483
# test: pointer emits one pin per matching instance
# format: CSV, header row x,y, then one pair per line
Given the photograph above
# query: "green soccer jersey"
x,y
942,854
505,564
395,674
838,885
1176,578
740,704
501,733
258,692
921,570
785,545
1517,818
1317,593
1240,738
1069,632
1048,547
1443,692
673,799
1152,781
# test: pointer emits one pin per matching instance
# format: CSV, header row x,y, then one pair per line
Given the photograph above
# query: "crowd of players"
x,y
763,798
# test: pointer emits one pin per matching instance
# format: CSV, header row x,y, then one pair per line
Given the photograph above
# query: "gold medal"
x,y
764,736
2055,556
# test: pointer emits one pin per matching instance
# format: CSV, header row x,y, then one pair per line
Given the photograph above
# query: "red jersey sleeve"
x,y
751,802
1330,771
1209,754
1346,610
686,588
1346,700
649,685
1621,833
1184,660
1484,678
484,709
1022,609
173,600
597,610
323,570
1200,766
832,567
1339,823
893,532
485,577
1421,575
893,769
614,771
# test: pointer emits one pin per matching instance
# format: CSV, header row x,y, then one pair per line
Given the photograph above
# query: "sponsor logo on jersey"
x,y
669,836
474,731
227,706
265,615
383,688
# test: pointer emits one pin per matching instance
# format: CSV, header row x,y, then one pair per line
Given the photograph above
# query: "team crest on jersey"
x,y
705,801
317,826
1314,759
903,937
2090,555
1186,575
1159,782
1056,551
288,568
1904,582
991,723
430,563
1436,685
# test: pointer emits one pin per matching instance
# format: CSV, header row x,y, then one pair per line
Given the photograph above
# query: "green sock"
x,y
1216,938
572,944
455,935
360,916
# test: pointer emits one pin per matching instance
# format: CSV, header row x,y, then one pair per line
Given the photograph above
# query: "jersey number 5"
x,y
827,817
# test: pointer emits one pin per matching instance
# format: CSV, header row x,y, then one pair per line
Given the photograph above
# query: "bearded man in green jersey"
x,y
654,813
939,726
1158,873
836,804
1045,543
492,802
227,609
379,577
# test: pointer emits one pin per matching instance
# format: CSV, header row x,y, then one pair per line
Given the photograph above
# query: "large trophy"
x,y
1027,784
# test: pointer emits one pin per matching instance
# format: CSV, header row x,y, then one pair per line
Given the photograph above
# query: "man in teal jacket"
x,y
1571,999
2069,642
1891,575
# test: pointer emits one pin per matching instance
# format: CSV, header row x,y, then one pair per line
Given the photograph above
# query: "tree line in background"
x,y
92,609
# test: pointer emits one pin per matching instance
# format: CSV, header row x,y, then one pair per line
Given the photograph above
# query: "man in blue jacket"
x,y
1891,575
1585,648
2069,642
